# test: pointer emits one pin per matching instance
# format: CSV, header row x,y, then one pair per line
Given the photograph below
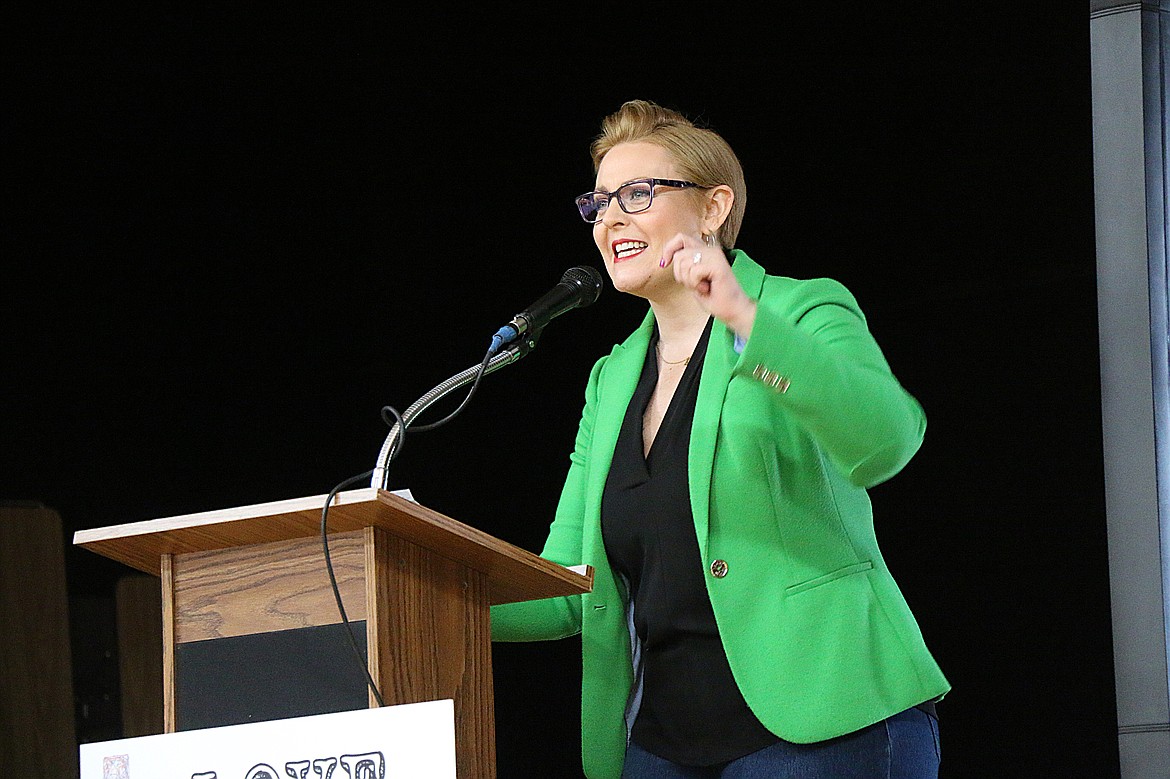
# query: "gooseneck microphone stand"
x,y
519,348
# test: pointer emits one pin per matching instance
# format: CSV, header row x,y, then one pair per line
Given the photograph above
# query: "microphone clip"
x,y
518,328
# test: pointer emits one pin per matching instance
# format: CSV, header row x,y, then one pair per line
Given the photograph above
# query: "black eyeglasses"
x,y
633,196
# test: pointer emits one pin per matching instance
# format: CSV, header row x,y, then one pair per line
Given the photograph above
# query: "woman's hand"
x,y
705,271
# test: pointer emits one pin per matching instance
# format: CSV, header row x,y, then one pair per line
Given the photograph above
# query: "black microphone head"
x,y
580,286
588,280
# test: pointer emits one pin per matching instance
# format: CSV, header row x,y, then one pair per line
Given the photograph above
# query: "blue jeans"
x,y
905,746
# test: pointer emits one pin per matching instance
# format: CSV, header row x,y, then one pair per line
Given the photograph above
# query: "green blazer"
x,y
787,436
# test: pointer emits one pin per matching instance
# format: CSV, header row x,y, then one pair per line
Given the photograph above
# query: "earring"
x,y
709,239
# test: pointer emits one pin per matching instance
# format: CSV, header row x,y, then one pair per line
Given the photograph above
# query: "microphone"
x,y
579,287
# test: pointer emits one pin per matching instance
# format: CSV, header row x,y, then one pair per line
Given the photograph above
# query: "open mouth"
x,y
623,250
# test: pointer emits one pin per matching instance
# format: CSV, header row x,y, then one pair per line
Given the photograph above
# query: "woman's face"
x,y
631,244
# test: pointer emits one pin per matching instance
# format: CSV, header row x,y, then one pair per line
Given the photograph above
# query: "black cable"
x,y
397,418
479,375
337,593
333,493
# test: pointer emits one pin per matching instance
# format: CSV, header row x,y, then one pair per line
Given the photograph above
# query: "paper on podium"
x,y
415,740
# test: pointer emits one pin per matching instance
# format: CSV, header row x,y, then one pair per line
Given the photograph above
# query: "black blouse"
x,y
692,712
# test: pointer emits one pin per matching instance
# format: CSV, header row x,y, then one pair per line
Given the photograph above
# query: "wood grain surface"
x,y
266,587
37,731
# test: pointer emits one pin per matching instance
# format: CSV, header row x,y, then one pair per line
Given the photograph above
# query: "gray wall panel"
x,y
1129,152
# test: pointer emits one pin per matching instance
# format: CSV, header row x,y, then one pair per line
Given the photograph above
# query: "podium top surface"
x,y
514,574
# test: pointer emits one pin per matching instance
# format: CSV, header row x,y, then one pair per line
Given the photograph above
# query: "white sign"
x,y
411,740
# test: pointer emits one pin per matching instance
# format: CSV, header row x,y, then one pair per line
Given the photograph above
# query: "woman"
x,y
742,621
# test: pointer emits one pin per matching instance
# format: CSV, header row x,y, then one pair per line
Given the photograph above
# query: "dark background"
x,y
230,237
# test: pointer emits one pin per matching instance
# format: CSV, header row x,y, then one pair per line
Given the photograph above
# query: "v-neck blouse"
x,y
691,711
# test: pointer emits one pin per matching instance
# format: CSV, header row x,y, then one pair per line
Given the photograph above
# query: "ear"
x,y
717,207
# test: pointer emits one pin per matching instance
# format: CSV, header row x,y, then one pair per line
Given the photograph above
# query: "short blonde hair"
x,y
701,155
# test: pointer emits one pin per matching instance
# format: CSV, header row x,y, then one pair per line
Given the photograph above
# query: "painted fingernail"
x,y
662,263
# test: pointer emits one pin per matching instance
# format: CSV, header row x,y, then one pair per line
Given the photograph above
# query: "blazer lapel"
x,y
616,386
717,368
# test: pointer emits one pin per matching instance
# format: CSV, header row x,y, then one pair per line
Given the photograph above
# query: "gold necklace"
x,y
658,348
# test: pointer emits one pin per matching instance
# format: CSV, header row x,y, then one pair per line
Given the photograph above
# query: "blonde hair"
x,y
701,155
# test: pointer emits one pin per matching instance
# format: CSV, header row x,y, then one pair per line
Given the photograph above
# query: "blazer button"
x,y
719,568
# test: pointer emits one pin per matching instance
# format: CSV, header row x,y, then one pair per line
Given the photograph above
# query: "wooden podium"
x,y
251,582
